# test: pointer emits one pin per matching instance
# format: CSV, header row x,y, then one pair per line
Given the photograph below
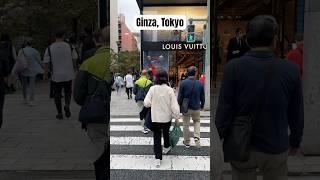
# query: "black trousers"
x,y
157,128
57,91
2,94
129,92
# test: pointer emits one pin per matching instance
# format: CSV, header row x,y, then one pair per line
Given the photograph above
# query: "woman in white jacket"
x,y
164,106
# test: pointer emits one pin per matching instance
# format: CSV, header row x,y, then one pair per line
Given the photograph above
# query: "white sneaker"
x,y
187,145
145,131
166,150
158,163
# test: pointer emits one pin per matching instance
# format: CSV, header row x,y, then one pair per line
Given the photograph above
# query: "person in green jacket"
x,y
95,72
140,90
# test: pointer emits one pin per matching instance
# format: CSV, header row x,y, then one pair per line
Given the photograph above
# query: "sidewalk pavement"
x,y
298,166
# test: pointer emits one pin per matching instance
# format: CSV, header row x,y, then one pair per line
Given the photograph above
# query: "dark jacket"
x,y
88,54
234,45
196,97
141,88
6,58
90,75
283,105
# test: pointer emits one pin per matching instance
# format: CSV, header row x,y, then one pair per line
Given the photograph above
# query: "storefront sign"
x,y
173,46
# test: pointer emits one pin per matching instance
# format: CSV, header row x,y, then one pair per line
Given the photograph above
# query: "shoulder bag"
x,y
21,63
186,101
95,108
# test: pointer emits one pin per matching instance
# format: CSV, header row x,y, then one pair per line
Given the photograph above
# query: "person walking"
x,y
128,79
4,73
118,83
261,96
296,55
164,106
93,79
192,89
141,88
58,58
28,75
8,52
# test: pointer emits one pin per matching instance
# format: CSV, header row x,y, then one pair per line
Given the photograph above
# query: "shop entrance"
x,y
183,59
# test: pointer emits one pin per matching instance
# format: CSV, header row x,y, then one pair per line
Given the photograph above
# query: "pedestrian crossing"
x,y
132,153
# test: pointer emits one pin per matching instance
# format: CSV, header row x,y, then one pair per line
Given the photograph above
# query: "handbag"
x,y
21,63
237,143
94,109
175,134
185,102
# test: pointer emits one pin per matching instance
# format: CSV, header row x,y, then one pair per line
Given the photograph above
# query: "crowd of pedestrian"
x,y
62,61
159,105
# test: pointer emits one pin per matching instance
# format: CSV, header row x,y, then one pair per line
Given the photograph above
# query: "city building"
x,y
127,40
114,25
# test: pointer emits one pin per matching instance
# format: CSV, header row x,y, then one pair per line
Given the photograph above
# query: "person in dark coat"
x,y
91,76
281,108
237,46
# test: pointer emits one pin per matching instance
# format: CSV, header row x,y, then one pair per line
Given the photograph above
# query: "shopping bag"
x,y
175,134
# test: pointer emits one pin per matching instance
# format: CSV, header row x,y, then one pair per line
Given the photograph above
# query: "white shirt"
x,y
163,103
62,61
129,81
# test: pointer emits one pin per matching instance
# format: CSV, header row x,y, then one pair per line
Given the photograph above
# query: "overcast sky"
x,y
130,9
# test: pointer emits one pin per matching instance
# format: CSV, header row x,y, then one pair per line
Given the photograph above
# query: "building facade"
x,y
127,40
114,25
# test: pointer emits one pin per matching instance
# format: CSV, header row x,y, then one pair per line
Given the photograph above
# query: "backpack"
x,y
5,58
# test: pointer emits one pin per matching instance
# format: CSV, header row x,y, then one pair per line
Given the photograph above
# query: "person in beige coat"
x,y
164,107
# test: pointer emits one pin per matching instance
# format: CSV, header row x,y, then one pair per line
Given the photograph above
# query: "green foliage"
x,y
126,61
40,18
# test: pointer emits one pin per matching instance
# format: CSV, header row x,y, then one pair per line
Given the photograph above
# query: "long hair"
x,y
162,77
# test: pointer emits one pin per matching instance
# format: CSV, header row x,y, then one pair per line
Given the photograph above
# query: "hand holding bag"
x,y
175,134
237,143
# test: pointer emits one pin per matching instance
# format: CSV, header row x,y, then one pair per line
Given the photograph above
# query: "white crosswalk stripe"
x,y
139,128
203,121
170,162
135,152
147,141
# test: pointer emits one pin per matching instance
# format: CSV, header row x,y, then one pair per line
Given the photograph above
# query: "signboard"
x,y
173,46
